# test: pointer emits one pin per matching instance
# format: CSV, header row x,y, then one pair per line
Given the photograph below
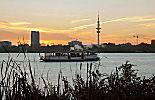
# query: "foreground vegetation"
x,y
17,83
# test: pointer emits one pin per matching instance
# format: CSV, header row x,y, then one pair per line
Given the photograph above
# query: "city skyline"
x,y
60,21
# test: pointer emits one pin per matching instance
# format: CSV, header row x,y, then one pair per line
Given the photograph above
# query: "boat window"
x,y
92,53
58,54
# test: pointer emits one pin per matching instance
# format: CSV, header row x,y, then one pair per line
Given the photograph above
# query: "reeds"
x,y
122,84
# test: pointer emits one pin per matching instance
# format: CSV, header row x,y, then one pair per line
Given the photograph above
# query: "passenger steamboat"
x,y
69,57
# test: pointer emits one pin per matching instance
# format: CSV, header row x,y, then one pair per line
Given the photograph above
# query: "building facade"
x,y
153,43
74,42
35,39
5,44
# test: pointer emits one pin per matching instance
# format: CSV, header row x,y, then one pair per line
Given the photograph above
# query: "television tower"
x,y
98,29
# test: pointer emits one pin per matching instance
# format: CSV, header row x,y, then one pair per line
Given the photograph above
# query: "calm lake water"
x,y
145,64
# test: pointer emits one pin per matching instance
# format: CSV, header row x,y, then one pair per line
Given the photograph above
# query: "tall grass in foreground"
x,y
16,83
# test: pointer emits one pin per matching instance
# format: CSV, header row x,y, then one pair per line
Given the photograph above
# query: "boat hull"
x,y
70,60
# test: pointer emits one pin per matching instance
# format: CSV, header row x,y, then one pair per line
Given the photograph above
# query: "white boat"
x,y
69,57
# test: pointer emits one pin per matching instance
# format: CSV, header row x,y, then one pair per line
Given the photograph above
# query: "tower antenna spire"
x,y
98,29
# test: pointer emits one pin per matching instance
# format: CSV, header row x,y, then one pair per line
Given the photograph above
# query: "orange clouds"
x,y
119,30
79,21
150,25
19,23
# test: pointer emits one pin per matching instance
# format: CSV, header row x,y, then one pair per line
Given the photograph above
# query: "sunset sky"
x,y
60,21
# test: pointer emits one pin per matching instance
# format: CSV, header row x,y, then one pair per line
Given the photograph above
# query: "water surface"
x,y
145,64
